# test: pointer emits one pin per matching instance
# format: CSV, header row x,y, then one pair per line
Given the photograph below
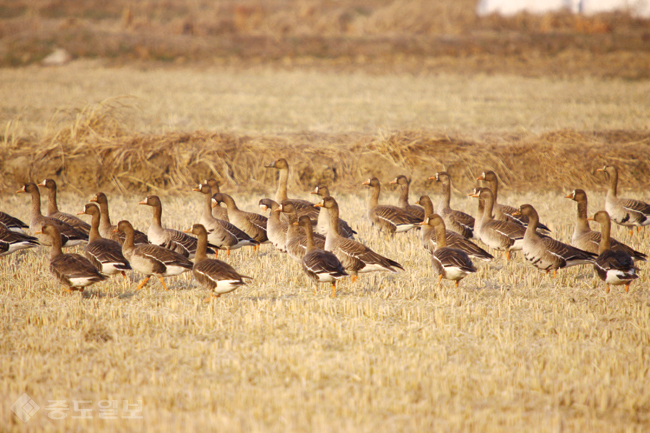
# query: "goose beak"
x,y
81,213
392,182
481,177
20,191
271,165
94,199
417,202
279,209
40,232
315,191
215,204
570,195
188,230
516,213
472,194
600,169
590,219
198,188
143,201
296,223
319,204
116,230
423,223
366,182
44,183
264,207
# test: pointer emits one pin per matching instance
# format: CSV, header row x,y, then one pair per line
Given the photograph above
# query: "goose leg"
x,y
162,280
354,278
457,283
439,280
607,290
507,254
333,289
143,283
627,287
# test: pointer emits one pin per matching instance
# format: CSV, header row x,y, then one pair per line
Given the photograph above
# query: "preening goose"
x,y
276,228
213,274
171,239
455,220
545,253
452,239
392,219
624,211
12,223
106,229
296,237
589,240
303,207
150,259
218,212
448,263
69,235
613,267
404,184
323,221
355,256
54,212
501,235
105,254
72,270
320,266
254,225
504,212
14,241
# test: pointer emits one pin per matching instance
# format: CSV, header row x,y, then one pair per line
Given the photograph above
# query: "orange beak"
x,y
279,209
296,223
319,204
39,233
481,177
366,182
600,169
570,195
20,190
472,194
143,201
44,183
516,213
590,219
392,182
94,199
197,189
188,230
81,213
264,207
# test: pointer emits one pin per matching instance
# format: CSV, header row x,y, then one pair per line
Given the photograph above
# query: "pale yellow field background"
x,y
264,100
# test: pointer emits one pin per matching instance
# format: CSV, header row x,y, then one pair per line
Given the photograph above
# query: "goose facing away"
x,y
455,220
448,263
303,207
106,229
72,270
392,219
404,184
589,240
54,212
613,267
624,211
13,241
12,223
276,228
323,222
548,254
217,211
216,275
355,256
296,237
150,259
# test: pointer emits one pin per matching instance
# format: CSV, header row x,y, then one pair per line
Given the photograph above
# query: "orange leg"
x,y
143,283
439,280
457,283
162,280
228,252
607,290
507,254
333,290
354,278
124,275
211,297
627,287
68,290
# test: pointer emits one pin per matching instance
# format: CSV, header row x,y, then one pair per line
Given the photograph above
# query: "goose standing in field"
x,y
13,241
390,218
216,275
548,254
613,267
150,259
501,235
12,223
448,263
276,228
452,239
320,266
69,235
626,212
504,212
72,270
171,239
217,211
355,256
106,229
455,220
296,237
254,225
221,234
404,184
589,240
303,207
54,212
323,222
105,254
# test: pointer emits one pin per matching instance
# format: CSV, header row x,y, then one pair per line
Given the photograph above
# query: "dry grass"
x,y
511,349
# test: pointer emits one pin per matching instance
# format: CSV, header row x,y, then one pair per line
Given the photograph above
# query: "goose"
x,y
276,228
218,212
500,235
150,259
404,184
589,240
455,220
504,212
254,225
221,234
545,253
213,274
12,241
106,229
54,212
452,239
296,237
320,266
448,263
303,207
73,270
12,223
171,239
355,256
614,267
626,212
69,235
323,222
105,254
390,218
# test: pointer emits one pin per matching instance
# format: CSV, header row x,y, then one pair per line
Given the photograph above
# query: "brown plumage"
x,y
455,220
54,212
12,223
323,222
296,237
624,211
106,229
303,207
391,219
218,212
12,241
276,228
404,183
254,225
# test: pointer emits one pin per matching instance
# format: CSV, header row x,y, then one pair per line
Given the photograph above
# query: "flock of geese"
x,y
314,235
